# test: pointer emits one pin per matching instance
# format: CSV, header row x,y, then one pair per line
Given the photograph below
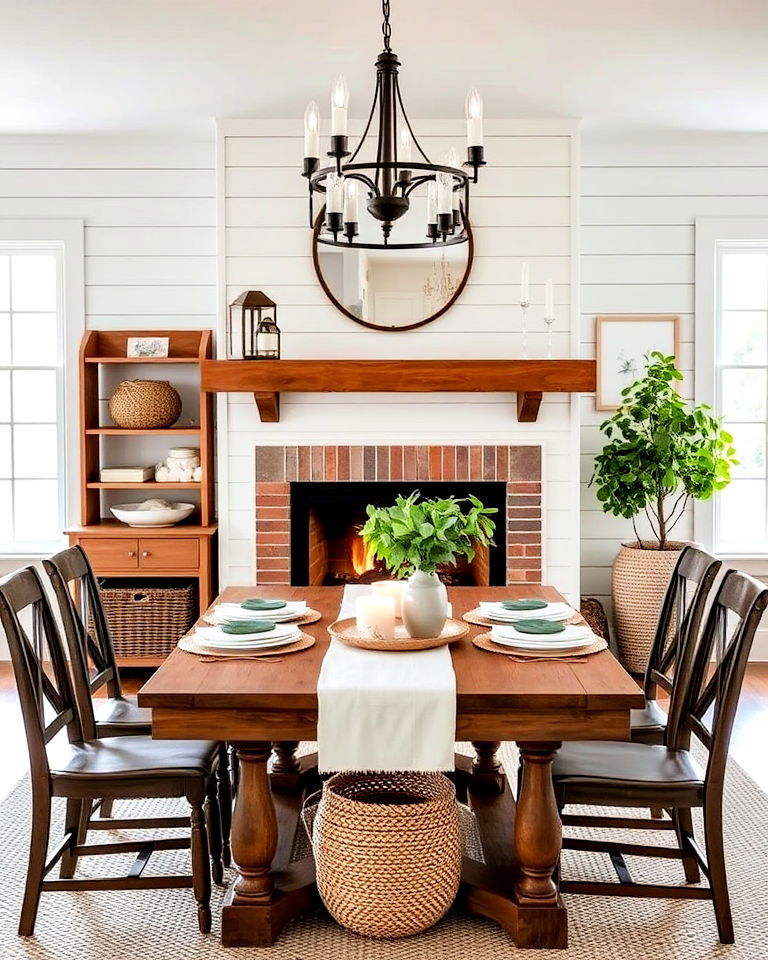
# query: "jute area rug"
x,y
157,925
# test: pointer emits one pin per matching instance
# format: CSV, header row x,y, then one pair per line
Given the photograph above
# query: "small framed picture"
x,y
621,345
149,347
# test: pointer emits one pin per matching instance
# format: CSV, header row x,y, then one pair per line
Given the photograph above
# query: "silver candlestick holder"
x,y
524,304
549,321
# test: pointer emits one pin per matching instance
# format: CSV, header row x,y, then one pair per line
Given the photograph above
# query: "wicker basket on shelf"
x,y
148,621
144,405
388,850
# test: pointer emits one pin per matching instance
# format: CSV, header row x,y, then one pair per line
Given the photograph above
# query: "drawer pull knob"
x,y
131,553
146,553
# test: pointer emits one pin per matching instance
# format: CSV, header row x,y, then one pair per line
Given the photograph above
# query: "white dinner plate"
x,y
213,646
511,638
216,635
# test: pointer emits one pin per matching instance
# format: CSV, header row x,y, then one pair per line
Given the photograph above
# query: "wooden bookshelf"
x,y
185,551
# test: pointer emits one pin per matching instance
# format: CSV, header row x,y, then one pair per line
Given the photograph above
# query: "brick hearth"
x,y
277,467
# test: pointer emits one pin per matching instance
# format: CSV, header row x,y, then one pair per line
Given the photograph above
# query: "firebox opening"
x,y
326,518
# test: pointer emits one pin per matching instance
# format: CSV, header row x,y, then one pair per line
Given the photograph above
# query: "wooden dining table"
x,y
264,708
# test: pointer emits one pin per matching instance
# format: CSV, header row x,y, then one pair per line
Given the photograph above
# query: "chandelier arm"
x,y
363,179
417,182
407,121
368,124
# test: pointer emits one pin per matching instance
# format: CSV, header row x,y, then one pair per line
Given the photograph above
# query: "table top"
x,y
484,681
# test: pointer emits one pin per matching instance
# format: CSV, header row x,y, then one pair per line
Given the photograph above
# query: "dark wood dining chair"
x,y
94,668
680,618
624,774
83,770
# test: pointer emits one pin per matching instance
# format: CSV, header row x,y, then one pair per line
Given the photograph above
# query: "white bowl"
x,y
157,517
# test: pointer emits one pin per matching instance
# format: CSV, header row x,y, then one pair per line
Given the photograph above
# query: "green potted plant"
x,y
661,453
414,537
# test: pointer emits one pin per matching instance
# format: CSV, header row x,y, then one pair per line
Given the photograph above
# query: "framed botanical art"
x,y
621,346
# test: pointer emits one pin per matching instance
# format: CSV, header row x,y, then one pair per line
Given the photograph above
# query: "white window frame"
x,y
67,238
710,233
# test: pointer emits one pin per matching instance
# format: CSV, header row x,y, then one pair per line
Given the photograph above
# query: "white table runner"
x,y
384,712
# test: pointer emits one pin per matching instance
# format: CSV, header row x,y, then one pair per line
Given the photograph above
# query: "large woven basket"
x,y
640,580
388,850
148,621
144,405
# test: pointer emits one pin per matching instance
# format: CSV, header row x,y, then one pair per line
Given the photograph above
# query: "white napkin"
x,y
384,712
233,612
553,611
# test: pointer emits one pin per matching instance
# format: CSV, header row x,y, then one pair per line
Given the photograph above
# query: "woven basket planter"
x,y
640,580
144,405
388,850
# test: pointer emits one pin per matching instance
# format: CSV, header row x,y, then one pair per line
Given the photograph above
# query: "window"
x,y
31,399
732,374
41,322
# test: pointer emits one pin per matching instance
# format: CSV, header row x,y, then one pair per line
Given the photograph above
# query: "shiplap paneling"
x,y
639,202
523,209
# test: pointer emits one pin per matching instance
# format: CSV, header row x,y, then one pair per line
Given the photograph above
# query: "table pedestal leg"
x,y
259,902
538,830
487,770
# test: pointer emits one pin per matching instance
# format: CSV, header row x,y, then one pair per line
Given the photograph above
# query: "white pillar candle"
x,y
474,110
391,588
350,202
549,300
431,202
444,198
334,197
525,295
312,130
339,105
376,617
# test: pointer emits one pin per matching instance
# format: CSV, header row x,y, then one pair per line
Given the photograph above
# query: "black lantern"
x,y
252,331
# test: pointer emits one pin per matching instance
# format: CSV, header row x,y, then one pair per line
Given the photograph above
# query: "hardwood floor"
x,y
747,745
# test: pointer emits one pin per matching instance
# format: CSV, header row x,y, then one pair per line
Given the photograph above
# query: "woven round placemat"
x,y
480,620
190,645
346,632
311,616
483,642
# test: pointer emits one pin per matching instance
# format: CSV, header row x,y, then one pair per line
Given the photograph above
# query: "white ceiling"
x,y
152,65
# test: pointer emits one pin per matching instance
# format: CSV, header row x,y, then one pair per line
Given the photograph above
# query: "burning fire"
x,y
362,555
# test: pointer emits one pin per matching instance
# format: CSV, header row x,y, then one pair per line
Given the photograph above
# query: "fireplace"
x,y
326,518
308,543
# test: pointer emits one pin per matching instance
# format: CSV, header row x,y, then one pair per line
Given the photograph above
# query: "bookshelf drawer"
x,y
169,554
111,554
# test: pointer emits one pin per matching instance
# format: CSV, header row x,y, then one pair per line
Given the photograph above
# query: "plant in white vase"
x,y
414,537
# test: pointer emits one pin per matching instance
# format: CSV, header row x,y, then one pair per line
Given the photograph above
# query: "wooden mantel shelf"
x,y
267,379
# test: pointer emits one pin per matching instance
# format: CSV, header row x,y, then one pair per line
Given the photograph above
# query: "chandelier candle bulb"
x,y
432,202
391,588
376,617
335,194
474,111
350,202
444,190
339,106
405,146
312,131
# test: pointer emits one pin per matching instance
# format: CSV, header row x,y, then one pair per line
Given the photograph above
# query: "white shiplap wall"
x,y
524,208
638,207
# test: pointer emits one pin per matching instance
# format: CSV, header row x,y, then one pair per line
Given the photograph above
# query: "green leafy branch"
x,y
661,453
422,534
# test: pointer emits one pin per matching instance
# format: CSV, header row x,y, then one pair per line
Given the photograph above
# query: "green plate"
x,y
524,604
538,626
257,603
248,626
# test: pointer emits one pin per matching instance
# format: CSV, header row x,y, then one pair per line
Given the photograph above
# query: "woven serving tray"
x,y
190,645
346,632
311,616
484,642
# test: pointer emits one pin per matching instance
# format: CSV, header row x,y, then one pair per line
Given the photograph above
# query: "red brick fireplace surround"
x,y
519,466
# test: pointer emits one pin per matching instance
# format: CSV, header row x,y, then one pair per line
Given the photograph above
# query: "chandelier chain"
x,y
386,27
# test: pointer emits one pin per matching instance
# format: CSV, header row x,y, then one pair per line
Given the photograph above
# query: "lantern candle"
x,y
376,617
391,588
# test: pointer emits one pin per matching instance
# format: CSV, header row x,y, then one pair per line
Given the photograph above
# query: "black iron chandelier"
x,y
389,181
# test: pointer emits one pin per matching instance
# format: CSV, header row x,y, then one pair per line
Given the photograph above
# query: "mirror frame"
x,y
374,326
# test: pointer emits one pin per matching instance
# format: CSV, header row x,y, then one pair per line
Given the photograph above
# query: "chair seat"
x,y
627,774
121,716
648,725
132,758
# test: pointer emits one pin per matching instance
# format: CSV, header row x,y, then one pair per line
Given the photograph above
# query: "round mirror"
x,y
392,289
